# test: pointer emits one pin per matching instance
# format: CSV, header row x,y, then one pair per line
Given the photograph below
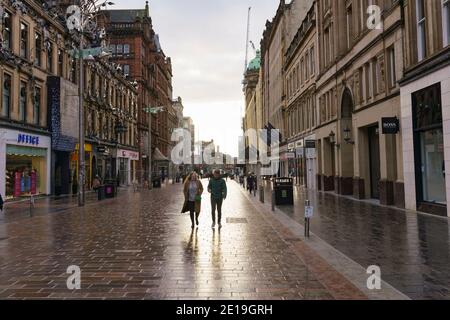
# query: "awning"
x,y
158,156
14,150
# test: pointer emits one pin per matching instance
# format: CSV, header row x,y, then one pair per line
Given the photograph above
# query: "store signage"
x,y
309,211
102,149
299,144
290,155
132,155
390,125
291,146
27,139
310,144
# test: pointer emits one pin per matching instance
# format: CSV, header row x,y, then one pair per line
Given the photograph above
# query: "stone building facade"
x,y
356,89
135,45
425,106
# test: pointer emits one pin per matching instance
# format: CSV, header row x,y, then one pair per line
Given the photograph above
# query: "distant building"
x,y
135,46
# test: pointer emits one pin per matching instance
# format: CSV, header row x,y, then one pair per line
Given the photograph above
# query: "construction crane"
x,y
253,47
247,40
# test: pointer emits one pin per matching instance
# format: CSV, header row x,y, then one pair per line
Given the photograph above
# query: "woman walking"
x,y
193,190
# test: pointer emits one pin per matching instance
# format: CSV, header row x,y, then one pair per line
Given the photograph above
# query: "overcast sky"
x,y
206,41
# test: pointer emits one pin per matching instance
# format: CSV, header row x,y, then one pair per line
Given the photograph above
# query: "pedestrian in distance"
x,y
250,183
218,189
193,190
96,183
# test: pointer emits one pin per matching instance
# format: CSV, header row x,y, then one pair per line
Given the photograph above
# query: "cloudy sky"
x,y
206,41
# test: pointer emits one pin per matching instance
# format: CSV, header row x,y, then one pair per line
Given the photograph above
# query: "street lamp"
x,y
348,135
150,111
119,128
332,137
80,20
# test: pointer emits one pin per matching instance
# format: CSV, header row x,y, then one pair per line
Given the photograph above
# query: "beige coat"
x,y
186,196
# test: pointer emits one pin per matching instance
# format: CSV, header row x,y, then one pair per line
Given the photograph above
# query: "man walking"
x,y
218,189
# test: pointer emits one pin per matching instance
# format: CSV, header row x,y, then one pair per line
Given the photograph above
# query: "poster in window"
x,y
17,184
33,182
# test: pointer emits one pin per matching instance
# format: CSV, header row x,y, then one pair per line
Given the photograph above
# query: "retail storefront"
x,y
127,161
87,171
310,162
426,140
24,164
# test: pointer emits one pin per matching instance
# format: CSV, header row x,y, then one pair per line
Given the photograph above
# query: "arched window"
x,y
347,105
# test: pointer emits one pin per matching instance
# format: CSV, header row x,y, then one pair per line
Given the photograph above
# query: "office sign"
x,y
390,125
27,139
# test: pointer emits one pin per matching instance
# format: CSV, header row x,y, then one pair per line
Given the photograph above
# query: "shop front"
x,y
127,161
87,170
24,164
310,162
102,163
426,138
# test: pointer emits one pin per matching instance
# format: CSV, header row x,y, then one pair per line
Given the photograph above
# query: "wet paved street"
x,y
139,246
412,249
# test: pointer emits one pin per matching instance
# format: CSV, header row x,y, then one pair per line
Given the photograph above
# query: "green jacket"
x,y
217,188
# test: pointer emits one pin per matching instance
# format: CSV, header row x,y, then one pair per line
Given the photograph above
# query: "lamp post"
x,y
119,129
151,111
80,19
348,135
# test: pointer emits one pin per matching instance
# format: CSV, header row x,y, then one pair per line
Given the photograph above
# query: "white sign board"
x,y
309,211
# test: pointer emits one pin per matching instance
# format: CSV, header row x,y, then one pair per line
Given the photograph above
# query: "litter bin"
x,y
110,191
284,191
101,193
157,183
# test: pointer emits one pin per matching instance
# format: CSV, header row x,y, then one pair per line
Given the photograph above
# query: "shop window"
x,y
429,145
24,171
6,100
